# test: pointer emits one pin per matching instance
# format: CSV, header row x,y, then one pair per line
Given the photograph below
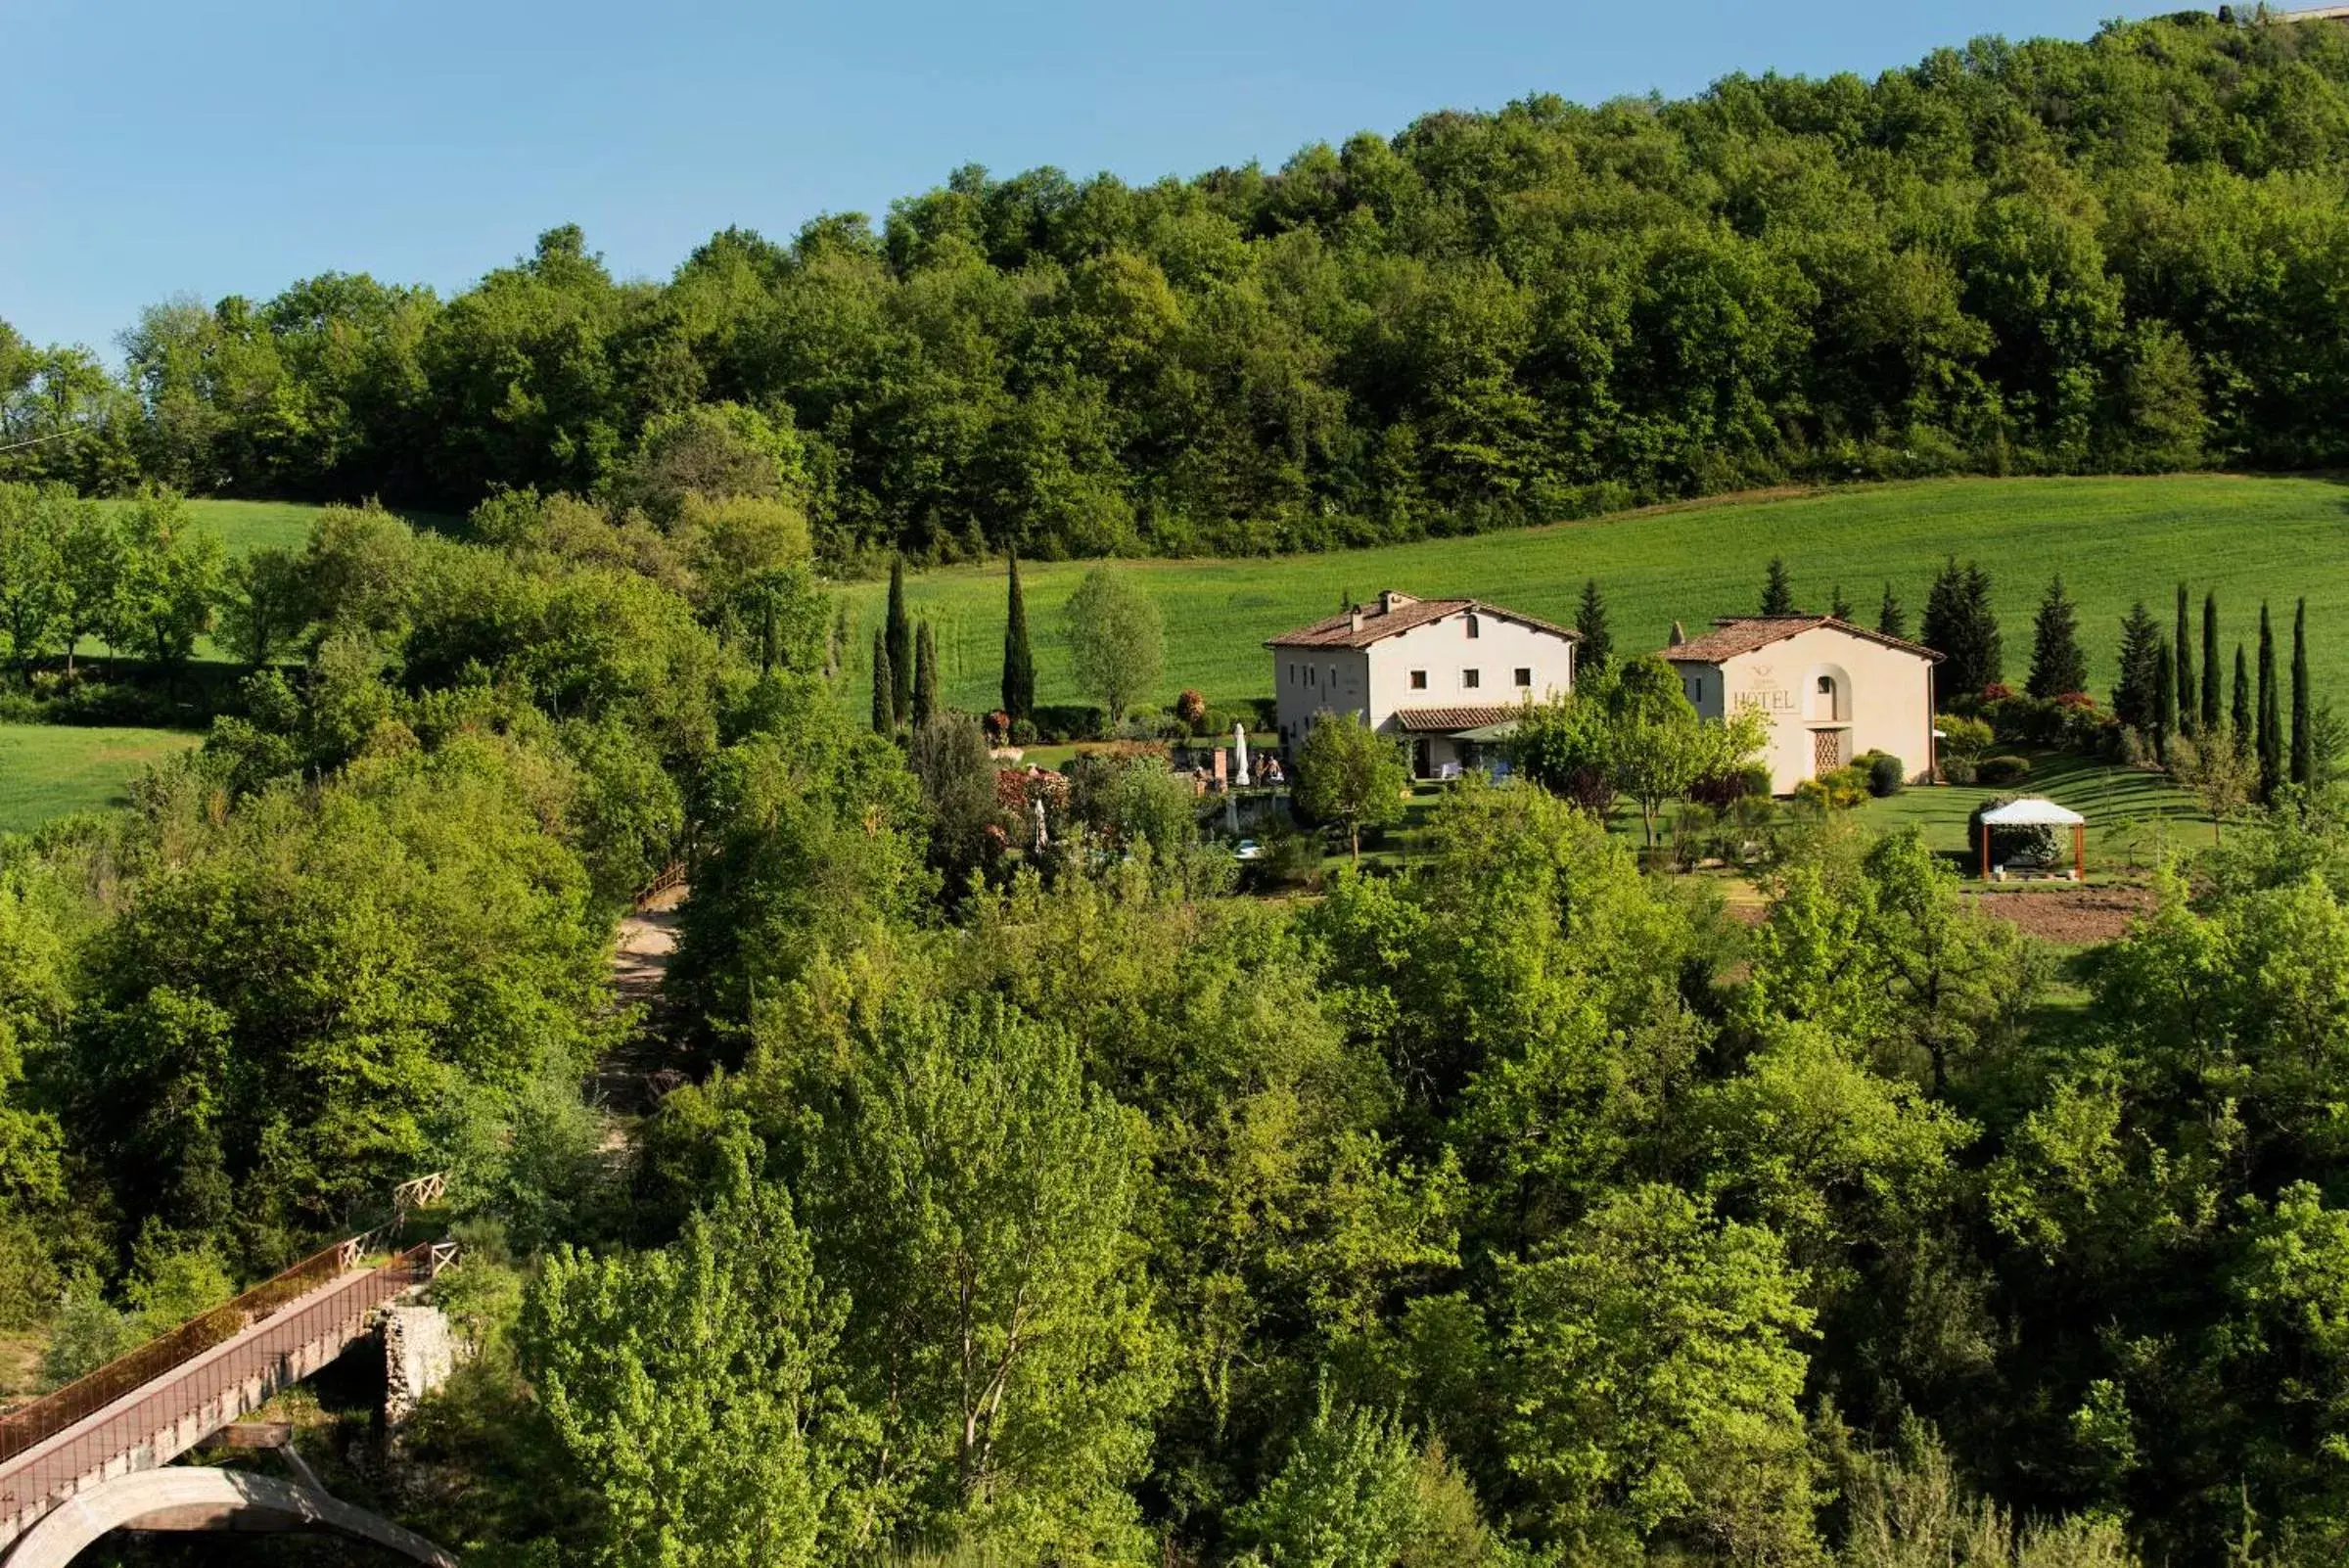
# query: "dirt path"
x,y
647,940
630,1079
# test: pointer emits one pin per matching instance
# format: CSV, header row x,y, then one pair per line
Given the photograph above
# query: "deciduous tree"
x,y
690,1387
1350,774
1626,1416
1117,642
264,605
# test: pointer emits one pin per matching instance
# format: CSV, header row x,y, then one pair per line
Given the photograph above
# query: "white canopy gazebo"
x,y
2033,811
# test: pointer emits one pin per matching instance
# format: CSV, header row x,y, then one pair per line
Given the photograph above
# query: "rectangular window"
x,y
1418,681
1696,688
1333,674
1309,675
1472,627
1470,679
1525,676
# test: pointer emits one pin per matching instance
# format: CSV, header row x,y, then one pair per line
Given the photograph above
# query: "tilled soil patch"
x,y
2076,917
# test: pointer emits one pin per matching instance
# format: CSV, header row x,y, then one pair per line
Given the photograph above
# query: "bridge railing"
x,y
671,875
171,1395
87,1394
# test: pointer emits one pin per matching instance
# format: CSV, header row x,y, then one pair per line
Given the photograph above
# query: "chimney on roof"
x,y
1679,636
1389,600
1355,616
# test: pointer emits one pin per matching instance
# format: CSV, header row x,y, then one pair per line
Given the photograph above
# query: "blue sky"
x,y
209,148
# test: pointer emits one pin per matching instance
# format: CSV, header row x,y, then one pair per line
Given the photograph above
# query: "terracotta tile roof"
x,y
1341,631
1444,721
1743,634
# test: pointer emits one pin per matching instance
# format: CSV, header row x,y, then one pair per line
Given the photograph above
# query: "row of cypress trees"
x,y
905,661
904,664
2160,693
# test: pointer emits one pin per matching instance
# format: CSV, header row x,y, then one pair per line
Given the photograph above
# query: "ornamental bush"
x,y
1998,771
1887,775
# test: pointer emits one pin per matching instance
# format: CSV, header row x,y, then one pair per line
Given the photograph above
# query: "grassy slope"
x,y
49,769
2114,540
244,525
2127,812
250,525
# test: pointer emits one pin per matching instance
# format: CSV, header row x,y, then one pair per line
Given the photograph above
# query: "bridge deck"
x,y
163,1418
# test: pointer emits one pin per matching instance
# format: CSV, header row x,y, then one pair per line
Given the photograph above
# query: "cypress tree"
x,y
925,674
1019,660
2133,695
885,707
1892,619
1840,607
2165,702
2212,716
2182,650
2271,713
2245,737
1597,648
901,643
1778,593
2304,739
2057,665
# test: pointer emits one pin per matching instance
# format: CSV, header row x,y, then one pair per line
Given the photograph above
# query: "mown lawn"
x,y
2131,814
47,770
2114,540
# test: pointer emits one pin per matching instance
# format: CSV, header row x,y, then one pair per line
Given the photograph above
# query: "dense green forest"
x,y
1520,1206
974,1196
2127,253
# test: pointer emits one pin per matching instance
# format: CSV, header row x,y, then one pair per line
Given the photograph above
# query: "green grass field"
x,y
48,770
2114,540
244,525
2127,812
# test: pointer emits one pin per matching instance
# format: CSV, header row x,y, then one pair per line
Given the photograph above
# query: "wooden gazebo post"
x,y
2079,851
1986,852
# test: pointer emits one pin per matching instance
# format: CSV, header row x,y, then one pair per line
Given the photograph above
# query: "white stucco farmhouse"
x,y
1829,689
1446,674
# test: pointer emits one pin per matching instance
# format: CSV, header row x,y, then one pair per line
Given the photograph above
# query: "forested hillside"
x,y
1010,1167
2053,256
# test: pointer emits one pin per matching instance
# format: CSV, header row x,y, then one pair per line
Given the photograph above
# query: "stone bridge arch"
x,y
200,1497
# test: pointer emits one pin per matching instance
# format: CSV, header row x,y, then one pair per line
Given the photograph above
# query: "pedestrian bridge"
x,y
140,1413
